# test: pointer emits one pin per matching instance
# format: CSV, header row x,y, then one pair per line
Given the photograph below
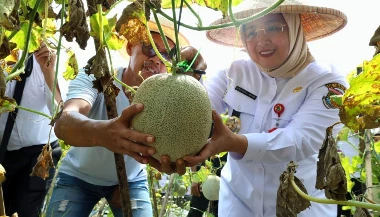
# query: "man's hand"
x,y
199,66
117,136
196,189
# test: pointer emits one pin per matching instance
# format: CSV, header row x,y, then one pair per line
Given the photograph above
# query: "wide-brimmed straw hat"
x,y
168,30
317,22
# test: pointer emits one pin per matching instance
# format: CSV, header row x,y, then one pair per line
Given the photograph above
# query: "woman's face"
x,y
267,40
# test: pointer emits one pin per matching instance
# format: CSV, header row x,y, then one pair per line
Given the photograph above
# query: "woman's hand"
x,y
222,140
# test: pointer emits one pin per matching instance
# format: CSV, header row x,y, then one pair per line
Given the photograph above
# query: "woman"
x,y
281,95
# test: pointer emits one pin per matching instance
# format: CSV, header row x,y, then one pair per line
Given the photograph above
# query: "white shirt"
x,y
249,183
30,128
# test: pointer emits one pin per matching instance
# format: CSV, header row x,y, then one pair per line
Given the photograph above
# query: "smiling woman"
x,y
278,93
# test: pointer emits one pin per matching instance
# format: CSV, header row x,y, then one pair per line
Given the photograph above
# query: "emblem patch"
x,y
334,89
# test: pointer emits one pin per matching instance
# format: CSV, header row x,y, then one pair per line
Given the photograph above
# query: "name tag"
x,y
245,92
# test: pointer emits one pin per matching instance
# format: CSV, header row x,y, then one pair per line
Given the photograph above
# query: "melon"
x,y
177,112
210,187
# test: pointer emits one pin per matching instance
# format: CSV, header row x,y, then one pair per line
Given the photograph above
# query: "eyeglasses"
x,y
148,51
270,31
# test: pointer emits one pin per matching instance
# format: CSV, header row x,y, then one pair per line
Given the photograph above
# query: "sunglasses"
x,y
147,50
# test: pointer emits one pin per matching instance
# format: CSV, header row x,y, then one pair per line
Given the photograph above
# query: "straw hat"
x,y
168,30
318,22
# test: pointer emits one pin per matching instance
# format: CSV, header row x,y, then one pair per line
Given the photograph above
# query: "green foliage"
x,y
112,39
361,102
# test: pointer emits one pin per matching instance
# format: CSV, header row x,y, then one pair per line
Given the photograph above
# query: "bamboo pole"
x,y
368,165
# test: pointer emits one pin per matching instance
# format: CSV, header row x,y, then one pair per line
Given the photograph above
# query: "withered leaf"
x,y
97,65
3,84
330,173
131,23
130,94
9,14
361,212
44,163
6,47
289,203
76,26
375,38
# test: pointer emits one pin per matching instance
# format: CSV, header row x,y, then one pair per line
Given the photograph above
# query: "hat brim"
x,y
168,31
317,22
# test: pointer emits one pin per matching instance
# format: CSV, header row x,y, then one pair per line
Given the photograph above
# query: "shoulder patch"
x,y
333,89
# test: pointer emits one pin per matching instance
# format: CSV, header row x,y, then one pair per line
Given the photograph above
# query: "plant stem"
x,y
123,84
100,26
57,60
224,25
194,13
20,63
34,111
168,191
176,35
330,201
2,207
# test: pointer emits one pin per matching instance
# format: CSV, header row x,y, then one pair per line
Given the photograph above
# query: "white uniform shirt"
x,y
30,128
249,183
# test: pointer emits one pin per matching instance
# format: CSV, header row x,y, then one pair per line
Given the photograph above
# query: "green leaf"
x,y
7,105
220,5
71,67
114,42
343,134
361,102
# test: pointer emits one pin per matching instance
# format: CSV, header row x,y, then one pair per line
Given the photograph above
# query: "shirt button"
x,y
257,126
260,170
258,195
239,107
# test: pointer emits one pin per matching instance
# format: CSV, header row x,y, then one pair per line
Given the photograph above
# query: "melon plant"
x,y
177,112
210,187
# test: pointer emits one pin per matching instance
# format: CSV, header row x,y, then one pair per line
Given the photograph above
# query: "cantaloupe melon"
x,y
210,187
177,112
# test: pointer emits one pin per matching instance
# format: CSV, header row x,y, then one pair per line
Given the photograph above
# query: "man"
x,y
23,139
88,171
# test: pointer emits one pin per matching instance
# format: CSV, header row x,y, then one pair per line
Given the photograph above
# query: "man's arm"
x,y
75,128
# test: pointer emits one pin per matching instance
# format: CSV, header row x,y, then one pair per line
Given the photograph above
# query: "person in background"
x,y
198,202
282,95
23,136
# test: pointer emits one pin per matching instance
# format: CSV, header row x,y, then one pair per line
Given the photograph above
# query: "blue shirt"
x,y
96,165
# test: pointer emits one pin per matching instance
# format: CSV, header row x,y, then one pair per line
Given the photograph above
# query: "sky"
x,y
345,49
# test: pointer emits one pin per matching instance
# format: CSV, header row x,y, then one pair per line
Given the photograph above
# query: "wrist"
x,y
240,144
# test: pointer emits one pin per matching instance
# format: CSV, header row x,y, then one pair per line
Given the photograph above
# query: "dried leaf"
x,y
131,23
330,173
361,212
6,47
9,14
76,26
289,202
2,174
44,163
3,84
130,94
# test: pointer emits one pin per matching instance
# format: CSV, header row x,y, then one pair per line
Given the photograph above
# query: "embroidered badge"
x,y
297,89
334,89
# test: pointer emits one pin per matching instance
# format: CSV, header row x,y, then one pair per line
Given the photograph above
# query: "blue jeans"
x,y
73,197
